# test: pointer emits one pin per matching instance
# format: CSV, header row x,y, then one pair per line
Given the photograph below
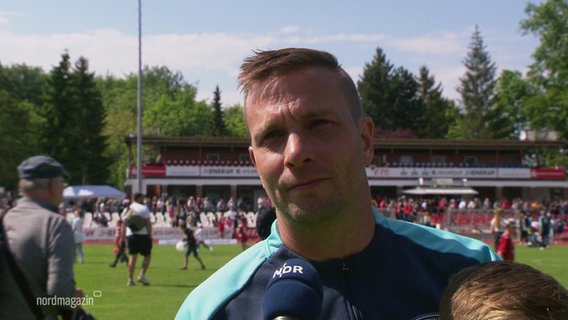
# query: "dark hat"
x,y
41,167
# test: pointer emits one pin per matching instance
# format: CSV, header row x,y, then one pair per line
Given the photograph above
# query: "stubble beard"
x,y
314,216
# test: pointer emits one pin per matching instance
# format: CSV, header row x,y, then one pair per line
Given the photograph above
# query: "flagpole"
x,y
139,113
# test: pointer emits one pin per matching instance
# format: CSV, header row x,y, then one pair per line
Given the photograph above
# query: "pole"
x,y
139,115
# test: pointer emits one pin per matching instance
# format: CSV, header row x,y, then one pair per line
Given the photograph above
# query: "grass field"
x,y
112,299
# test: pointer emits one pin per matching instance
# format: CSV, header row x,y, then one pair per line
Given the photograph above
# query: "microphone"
x,y
295,292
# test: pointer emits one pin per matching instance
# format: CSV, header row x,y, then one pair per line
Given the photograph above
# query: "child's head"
x,y
503,291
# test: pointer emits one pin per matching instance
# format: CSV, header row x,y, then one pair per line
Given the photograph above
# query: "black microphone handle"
x,y
286,318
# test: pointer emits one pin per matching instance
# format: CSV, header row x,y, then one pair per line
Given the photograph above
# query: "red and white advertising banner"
x,y
372,172
514,173
548,174
182,171
149,171
227,172
167,234
468,173
474,173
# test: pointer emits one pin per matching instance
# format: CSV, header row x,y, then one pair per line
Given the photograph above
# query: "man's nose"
x,y
299,150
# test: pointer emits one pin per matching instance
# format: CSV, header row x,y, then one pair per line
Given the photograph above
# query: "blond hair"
x,y
503,290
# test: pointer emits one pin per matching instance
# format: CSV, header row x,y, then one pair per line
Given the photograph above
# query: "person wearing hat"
x,y
41,242
506,245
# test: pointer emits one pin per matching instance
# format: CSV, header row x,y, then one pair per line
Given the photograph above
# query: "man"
x,y
41,242
310,144
139,241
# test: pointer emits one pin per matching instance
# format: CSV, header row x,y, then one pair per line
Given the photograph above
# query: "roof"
x,y
379,143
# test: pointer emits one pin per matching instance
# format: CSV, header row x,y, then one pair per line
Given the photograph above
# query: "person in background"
x,y
496,226
41,242
265,217
503,290
79,233
191,246
545,224
506,244
524,227
138,242
310,144
241,233
119,242
200,236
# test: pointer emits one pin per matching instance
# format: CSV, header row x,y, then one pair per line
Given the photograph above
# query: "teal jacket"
x,y
400,275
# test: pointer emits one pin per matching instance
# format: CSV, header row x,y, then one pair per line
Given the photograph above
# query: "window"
x,y
470,159
406,160
212,157
438,159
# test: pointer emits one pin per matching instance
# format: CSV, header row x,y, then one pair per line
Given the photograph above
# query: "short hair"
x,y
270,64
26,186
503,290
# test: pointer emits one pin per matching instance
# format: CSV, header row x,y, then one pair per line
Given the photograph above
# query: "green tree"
x,y
91,160
217,126
407,109
119,100
20,96
477,90
25,83
234,122
437,113
388,96
170,106
373,89
508,110
73,121
59,114
548,107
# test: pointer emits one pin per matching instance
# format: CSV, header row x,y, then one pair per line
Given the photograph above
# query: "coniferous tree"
x,y
73,120
388,96
217,127
373,89
437,115
477,90
91,149
58,112
408,110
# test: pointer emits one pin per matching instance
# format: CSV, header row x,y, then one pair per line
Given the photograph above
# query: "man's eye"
x,y
319,123
271,135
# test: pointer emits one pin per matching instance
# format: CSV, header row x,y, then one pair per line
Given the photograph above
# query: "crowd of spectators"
x,y
539,222
535,218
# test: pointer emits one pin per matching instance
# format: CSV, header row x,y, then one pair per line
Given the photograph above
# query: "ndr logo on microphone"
x,y
285,269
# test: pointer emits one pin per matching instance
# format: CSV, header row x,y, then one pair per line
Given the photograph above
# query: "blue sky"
x,y
207,40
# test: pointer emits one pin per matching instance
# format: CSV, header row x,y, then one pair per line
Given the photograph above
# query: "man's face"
x,y
308,150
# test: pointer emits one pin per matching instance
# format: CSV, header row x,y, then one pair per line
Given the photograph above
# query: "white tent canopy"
x,y
440,191
92,191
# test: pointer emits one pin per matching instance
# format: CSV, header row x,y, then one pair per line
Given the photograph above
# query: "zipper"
x,y
354,313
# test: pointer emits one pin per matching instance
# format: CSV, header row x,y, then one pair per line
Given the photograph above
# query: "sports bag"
x,y
133,220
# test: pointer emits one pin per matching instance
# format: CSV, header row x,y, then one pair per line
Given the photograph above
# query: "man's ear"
x,y
366,131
